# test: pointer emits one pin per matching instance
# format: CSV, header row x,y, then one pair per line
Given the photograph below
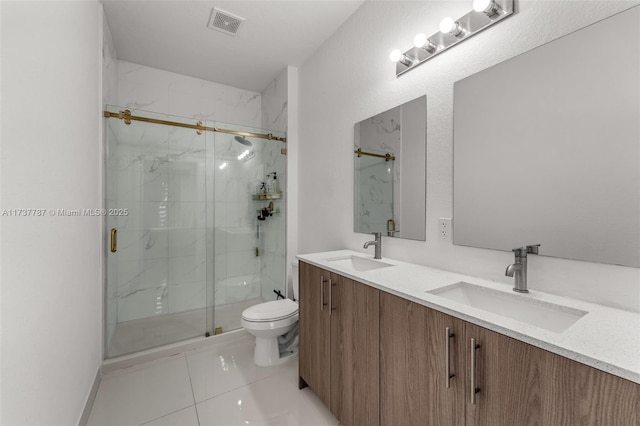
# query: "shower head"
x,y
243,140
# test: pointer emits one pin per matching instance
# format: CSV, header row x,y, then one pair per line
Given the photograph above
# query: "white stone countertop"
x,y
605,338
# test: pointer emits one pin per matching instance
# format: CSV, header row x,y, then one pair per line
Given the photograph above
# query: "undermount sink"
x,y
552,317
357,263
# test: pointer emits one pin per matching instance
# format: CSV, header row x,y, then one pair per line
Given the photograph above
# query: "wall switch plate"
x,y
444,228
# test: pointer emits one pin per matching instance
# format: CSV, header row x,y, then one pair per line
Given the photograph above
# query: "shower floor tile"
x,y
146,333
215,386
140,334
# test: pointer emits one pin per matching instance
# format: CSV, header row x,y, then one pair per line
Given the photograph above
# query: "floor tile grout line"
x,y
232,344
193,394
168,414
236,388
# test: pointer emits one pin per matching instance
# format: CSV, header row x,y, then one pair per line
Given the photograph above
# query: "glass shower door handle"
x,y
114,240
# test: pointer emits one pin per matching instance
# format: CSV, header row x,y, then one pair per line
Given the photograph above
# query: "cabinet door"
x,y
354,352
508,378
520,384
314,332
581,395
413,365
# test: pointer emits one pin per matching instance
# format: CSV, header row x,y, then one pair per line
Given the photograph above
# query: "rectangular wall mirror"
x,y
390,169
547,148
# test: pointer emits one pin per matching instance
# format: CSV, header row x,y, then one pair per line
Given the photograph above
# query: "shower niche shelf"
x,y
267,196
276,211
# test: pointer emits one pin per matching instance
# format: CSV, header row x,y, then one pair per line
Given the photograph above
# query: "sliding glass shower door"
x,y
192,239
158,177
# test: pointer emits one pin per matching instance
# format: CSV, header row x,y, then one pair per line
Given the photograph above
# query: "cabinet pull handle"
x,y
447,352
322,293
114,240
330,296
474,384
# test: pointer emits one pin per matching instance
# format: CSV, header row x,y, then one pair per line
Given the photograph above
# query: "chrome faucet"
x,y
519,268
377,243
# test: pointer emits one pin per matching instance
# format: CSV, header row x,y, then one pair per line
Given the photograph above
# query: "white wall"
x,y
351,78
51,284
109,97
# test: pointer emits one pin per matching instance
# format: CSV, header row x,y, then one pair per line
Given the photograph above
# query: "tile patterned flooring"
x,y
217,385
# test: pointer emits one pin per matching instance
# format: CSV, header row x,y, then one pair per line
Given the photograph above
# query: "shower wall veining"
x,y
376,177
274,117
164,271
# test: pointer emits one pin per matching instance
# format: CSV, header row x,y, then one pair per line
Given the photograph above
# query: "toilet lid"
x,y
271,311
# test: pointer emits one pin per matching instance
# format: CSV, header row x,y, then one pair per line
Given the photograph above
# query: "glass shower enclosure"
x,y
192,239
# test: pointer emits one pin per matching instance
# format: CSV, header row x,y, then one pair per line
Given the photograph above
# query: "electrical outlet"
x,y
444,228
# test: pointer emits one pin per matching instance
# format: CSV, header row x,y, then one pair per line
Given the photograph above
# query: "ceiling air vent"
x,y
225,22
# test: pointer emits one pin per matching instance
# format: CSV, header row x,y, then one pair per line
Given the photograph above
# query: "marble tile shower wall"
x,y
382,134
275,117
375,186
237,268
164,92
273,237
274,104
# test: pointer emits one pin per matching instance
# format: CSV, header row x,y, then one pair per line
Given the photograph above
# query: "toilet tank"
x,y
294,278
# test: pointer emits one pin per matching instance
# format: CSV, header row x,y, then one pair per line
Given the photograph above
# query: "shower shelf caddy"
x,y
267,196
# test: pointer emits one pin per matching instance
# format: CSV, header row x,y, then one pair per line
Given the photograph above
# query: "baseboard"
x,y
88,405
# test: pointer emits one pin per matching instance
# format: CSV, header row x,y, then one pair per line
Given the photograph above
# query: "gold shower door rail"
x,y
386,156
199,126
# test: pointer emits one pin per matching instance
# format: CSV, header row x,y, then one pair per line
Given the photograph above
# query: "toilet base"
x,y
267,352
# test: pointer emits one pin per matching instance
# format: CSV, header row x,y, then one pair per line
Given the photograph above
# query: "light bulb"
x,y
397,56
481,5
449,26
446,25
489,7
420,40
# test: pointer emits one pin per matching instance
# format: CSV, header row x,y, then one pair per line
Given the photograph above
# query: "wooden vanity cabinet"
x,y
517,383
339,344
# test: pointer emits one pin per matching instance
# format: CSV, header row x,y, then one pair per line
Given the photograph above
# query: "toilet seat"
x,y
271,311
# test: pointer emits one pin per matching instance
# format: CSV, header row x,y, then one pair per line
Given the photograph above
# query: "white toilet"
x,y
275,325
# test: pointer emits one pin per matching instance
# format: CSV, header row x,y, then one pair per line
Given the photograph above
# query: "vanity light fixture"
x,y
452,31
